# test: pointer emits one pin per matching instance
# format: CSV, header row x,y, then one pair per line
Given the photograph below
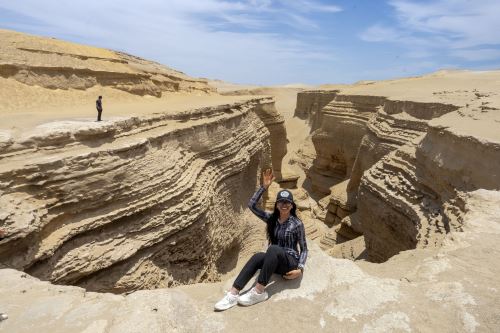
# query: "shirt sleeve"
x,y
303,245
252,204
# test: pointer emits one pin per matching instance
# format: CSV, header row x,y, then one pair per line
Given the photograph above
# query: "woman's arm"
x,y
252,204
303,246
267,179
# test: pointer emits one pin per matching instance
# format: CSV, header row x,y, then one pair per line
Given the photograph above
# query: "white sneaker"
x,y
227,302
3,316
252,297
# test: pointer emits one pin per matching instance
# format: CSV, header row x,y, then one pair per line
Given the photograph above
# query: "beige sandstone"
x,y
113,206
409,149
424,290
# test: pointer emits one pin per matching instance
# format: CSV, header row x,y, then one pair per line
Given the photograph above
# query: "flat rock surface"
x,y
453,289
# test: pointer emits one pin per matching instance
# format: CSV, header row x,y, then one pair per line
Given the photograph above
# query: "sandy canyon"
x,y
140,222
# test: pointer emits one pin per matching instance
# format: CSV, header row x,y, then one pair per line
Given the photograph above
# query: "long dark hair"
x,y
271,223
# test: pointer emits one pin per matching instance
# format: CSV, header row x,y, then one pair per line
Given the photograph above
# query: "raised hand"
x,y
267,178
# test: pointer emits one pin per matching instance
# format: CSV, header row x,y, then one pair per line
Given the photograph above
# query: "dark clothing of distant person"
x,y
98,105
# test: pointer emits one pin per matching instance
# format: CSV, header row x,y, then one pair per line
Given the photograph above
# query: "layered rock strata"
x,y
391,154
310,103
395,226
343,125
415,195
140,203
396,123
275,123
450,289
54,64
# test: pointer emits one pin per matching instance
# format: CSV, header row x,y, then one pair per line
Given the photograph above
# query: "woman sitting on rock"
x,y
285,232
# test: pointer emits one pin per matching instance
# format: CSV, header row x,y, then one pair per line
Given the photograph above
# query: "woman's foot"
x,y
253,297
228,301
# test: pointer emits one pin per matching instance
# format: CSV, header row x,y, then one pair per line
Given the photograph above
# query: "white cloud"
x,y
477,55
433,28
464,22
380,33
301,21
242,20
232,40
316,6
204,6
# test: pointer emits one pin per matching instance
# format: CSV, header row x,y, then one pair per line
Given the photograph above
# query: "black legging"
x,y
275,260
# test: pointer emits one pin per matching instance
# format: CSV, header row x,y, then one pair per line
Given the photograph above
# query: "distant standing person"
x,y
98,105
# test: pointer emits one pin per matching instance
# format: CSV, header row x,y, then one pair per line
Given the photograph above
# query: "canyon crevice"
x,y
393,172
103,206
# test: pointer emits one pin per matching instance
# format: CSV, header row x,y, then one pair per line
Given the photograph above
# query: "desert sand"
x,y
139,222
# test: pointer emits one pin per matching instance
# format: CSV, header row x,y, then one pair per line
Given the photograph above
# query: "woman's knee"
x,y
257,257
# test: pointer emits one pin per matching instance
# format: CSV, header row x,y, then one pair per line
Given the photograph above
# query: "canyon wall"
x,y
310,103
343,125
395,171
139,203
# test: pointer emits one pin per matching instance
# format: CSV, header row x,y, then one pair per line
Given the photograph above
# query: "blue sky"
x,y
277,41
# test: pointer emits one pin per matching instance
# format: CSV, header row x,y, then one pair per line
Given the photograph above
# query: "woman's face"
x,y
284,206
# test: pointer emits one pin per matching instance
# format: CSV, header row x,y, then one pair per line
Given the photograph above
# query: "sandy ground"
x,y
23,107
286,100
459,87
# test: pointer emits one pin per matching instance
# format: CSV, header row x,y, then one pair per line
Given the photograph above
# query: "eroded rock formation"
x,y
158,200
116,207
343,126
448,289
310,104
395,171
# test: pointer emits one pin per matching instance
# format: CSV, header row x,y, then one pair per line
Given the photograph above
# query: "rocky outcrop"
x,y
343,125
114,207
275,123
450,289
54,64
310,103
415,195
396,124
379,161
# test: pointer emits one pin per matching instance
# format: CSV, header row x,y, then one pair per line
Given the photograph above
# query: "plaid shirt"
x,y
289,234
